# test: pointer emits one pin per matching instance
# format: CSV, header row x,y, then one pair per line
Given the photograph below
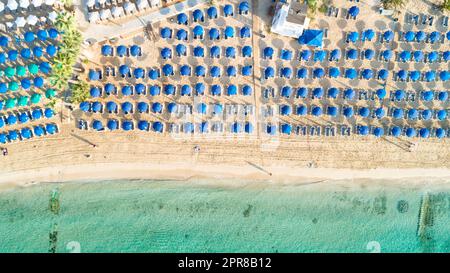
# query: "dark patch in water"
x,y
402,206
379,205
247,211
160,206
314,221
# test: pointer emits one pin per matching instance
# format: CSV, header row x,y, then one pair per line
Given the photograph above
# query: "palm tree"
x,y
394,4
80,92
445,6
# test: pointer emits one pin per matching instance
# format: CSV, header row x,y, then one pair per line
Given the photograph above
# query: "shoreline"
x,y
281,175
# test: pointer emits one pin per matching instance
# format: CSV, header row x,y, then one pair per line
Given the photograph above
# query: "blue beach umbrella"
x,y
378,132
363,130
286,91
107,50
198,31
95,92
200,71
166,33
97,125
413,114
430,76
388,35
121,50
212,12
245,32
155,90
42,34
157,107
13,135
349,94
37,113
396,131
231,71
38,51
440,133
352,54
138,73
96,107
29,36
143,125
127,107
383,74
381,93
368,34
25,83
38,130
332,111
442,114
4,41
228,10
398,113
348,112
135,50
185,70
111,107
286,55
214,34
153,74
353,37
244,7
268,52
286,128
248,128
200,88
25,53
172,107
186,90
85,106
166,53
424,133
427,95
12,55
353,11
405,55
444,75
202,108
50,128
364,112
420,36
26,133
3,138
443,96
418,56
246,90
387,54
446,56
127,125
333,93
23,117
302,73
181,50
271,129
414,75
369,54
236,127
334,72
182,19
306,55
433,56
38,82
402,75
380,113
399,94
169,89
188,128
142,107
140,88
269,72
198,15
319,72
158,127
182,35
302,110
286,72
247,51
93,75
247,71
318,92
426,114
215,52
126,90
351,73
409,36
167,70
228,32
335,55
216,90
109,88
199,51
367,74
434,36
53,33
410,132
316,111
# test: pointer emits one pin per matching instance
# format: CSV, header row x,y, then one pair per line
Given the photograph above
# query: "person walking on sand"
x,y
5,151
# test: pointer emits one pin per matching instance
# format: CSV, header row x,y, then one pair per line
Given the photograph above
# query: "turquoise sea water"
x,y
169,216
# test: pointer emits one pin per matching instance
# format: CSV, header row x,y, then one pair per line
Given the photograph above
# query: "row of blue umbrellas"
x,y
212,12
199,51
121,50
199,32
29,36
127,125
27,133
24,117
333,72
419,56
28,53
397,131
420,36
429,76
364,112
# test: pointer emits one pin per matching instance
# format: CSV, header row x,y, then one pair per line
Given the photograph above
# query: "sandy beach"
x,y
70,155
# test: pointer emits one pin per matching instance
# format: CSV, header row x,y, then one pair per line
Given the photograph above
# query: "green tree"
x,y
445,6
394,4
80,92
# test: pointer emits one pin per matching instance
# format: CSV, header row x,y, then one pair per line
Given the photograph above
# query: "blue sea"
x,y
244,216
